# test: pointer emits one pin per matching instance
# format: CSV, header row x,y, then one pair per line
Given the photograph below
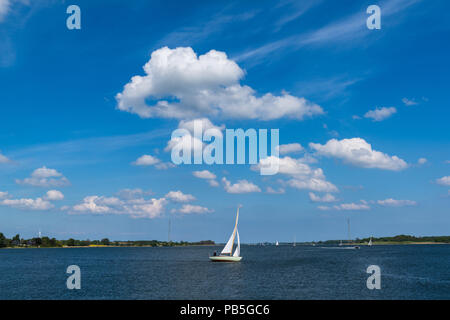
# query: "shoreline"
x,y
216,245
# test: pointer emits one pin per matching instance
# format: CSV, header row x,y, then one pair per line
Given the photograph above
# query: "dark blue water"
x,y
269,272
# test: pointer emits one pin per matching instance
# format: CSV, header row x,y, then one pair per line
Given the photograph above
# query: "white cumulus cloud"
x,y
136,208
379,114
328,197
189,208
289,148
45,177
28,204
185,85
396,203
241,186
54,195
301,175
445,181
358,152
3,159
178,196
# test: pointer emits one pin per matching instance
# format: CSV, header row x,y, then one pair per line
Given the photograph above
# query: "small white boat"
x,y
277,244
370,242
226,254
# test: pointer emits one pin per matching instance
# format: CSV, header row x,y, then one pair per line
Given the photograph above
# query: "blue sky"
x,y
383,96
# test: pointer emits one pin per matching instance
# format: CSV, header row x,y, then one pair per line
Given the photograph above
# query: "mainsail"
x,y
237,252
228,249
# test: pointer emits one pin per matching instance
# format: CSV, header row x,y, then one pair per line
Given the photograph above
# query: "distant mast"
x,y
348,224
168,233
294,242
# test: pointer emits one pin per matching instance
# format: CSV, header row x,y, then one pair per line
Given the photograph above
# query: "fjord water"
x,y
266,272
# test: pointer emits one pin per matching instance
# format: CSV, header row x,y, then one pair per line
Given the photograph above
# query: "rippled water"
x,y
266,272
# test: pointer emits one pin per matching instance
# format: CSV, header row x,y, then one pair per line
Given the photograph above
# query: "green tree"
x,y
105,241
3,241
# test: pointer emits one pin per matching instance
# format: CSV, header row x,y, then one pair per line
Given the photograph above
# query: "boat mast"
x,y
168,233
234,231
348,223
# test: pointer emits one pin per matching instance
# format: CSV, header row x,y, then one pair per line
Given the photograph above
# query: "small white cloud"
x,y
204,174
241,186
328,197
445,181
27,204
289,148
146,160
128,194
379,114
213,183
3,159
351,206
358,152
396,203
136,208
178,196
54,195
301,174
409,102
4,8
188,209
4,194
45,177
274,191
422,161
207,175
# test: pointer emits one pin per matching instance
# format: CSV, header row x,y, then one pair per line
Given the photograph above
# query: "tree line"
x,y
398,238
46,242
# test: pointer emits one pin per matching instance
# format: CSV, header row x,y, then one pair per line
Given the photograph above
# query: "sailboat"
x,y
370,242
294,242
349,238
226,255
277,244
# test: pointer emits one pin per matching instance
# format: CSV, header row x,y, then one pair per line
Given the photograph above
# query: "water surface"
x,y
266,272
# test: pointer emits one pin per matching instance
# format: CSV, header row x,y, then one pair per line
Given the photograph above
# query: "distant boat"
x,y
370,242
340,244
294,242
226,254
277,244
349,238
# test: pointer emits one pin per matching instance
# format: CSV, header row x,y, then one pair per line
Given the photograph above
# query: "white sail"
x,y
370,241
229,246
237,252
277,243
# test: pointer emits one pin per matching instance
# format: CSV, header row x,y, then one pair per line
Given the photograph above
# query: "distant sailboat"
x,y
370,242
226,255
277,244
349,238
294,242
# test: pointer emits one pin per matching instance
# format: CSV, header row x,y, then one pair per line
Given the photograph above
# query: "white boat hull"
x,y
225,259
